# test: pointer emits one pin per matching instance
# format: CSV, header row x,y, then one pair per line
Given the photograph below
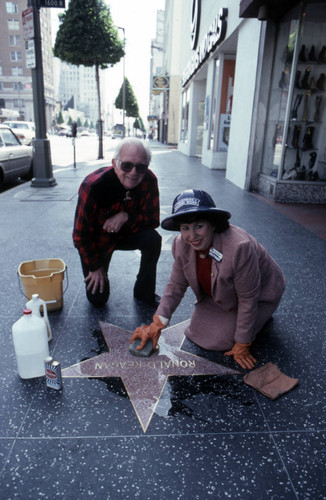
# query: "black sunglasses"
x,y
127,166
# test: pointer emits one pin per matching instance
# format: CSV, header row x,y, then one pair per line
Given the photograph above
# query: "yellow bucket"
x,y
45,277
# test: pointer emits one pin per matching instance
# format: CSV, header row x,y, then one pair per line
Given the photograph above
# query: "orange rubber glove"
x,y
242,355
144,333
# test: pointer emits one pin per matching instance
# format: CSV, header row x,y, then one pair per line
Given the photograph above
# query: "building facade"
x,y
252,86
76,89
155,117
16,96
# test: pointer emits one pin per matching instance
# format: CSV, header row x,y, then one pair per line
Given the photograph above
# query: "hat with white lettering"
x,y
193,201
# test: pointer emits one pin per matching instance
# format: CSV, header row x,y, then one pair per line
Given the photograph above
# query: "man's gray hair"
x,y
134,142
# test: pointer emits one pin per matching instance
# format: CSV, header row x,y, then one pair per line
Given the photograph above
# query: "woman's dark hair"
x,y
219,222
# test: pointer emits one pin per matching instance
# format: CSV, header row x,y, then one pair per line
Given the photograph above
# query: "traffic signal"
x,y
74,129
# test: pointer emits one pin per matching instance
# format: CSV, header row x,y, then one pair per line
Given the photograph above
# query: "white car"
x,y
25,131
16,159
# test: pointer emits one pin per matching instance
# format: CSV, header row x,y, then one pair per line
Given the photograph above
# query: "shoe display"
x,y
320,82
296,135
322,55
312,160
312,55
297,80
307,139
319,99
302,54
306,106
305,80
297,102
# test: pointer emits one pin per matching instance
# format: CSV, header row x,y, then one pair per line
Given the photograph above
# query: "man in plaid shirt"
x,y
118,209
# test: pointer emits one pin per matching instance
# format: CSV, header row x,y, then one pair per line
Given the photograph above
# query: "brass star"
x,y
145,378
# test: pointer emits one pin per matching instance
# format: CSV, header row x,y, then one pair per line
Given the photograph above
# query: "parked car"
x,y
16,159
25,131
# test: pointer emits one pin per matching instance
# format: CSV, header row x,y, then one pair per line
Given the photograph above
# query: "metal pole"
x,y
42,163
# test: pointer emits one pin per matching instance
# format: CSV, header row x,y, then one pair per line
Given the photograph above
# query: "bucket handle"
x,y
47,301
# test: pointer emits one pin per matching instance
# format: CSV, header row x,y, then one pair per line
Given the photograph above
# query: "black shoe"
x,y
152,301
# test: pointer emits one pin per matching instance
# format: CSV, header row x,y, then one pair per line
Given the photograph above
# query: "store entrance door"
x,y
200,128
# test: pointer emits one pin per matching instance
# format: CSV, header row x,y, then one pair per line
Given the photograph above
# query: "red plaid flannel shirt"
x,y
101,195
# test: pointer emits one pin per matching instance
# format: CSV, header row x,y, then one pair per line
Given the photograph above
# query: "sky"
x,y
138,18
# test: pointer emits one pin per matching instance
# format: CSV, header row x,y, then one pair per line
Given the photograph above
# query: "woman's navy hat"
x,y
193,201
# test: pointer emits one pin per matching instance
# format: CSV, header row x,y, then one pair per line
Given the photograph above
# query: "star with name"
x,y
144,378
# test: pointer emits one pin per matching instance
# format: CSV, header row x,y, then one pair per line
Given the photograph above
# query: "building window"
x,y
16,71
0,70
15,56
12,8
13,24
185,116
17,86
14,40
19,103
1,86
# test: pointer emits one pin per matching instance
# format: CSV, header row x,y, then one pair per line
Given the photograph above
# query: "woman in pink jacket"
x,y
237,284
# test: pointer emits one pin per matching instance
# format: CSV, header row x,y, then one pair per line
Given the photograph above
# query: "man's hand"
x,y
144,333
114,224
96,280
242,355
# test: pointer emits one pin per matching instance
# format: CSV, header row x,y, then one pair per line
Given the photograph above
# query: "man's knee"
x,y
99,299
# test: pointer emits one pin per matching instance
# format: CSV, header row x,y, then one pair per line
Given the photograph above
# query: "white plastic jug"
x,y
35,304
31,345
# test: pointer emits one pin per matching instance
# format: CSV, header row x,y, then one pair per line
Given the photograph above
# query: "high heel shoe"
x,y
322,55
302,54
312,55
320,82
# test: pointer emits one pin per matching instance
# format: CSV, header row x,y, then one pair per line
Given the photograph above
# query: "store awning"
x,y
265,9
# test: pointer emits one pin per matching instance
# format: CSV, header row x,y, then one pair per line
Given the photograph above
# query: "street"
x,y
86,149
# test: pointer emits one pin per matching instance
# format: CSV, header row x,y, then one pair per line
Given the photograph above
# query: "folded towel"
x,y
270,381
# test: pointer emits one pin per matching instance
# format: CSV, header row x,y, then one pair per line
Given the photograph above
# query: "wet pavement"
x,y
208,435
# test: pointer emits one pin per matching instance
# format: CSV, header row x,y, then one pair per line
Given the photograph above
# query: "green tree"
x,y
79,123
139,124
88,37
69,120
86,124
60,118
131,105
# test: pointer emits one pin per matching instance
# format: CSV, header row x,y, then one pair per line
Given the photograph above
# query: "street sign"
x,y
53,3
28,23
30,54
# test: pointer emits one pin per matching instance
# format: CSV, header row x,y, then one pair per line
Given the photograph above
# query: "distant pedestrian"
x,y
237,284
118,209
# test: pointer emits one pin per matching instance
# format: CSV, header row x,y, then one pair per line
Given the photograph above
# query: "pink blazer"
x,y
246,276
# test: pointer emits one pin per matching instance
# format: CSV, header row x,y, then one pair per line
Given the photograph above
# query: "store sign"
x,y
213,37
161,83
30,54
53,3
195,23
28,23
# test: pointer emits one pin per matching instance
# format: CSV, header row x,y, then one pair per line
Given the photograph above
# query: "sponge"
x,y
145,352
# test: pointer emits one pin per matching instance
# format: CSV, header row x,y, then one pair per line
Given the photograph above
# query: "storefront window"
x,y
185,116
294,148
